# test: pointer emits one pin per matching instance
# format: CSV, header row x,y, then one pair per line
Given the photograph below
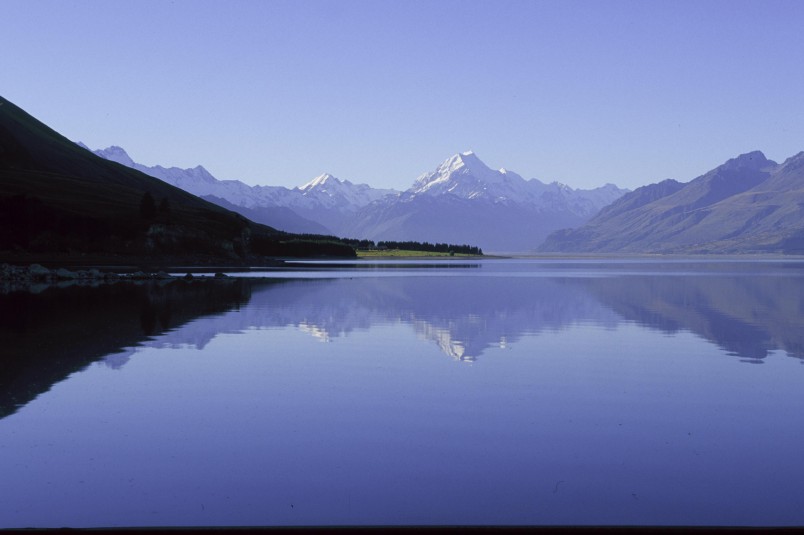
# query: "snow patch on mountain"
x,y
333,192
464,175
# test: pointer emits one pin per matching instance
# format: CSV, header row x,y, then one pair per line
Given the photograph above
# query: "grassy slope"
x,y
404,253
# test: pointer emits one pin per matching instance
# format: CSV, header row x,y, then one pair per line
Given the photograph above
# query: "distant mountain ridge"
x,y
461,201
749,204
319,206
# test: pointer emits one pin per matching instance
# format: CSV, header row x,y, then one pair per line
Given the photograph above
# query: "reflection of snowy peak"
x,y
463,324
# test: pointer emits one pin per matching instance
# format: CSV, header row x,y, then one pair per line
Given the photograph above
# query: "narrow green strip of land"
x,y
396,253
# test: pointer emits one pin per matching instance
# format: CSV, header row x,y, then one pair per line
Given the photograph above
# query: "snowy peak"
x,y
323,181
465,175
448,175
332,192
464,162
115,154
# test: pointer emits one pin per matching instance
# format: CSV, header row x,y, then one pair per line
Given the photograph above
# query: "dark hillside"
x,y
56,197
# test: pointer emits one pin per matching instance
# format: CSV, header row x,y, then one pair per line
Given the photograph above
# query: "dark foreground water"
x,y
494,392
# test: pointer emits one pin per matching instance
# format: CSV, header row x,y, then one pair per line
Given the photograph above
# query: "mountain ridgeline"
x,y
747,205
60,201
58,198
461,201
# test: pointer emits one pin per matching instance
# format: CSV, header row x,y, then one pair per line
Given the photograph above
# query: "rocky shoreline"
x,y
35,277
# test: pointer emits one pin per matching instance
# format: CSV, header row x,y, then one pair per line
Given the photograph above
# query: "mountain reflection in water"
x,y
47,336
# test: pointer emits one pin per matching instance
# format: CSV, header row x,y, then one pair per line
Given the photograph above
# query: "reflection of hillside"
x,y
746,315
48,336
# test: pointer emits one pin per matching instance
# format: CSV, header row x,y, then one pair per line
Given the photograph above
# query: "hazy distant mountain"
x,y
462,201
748,204
274,216
320,206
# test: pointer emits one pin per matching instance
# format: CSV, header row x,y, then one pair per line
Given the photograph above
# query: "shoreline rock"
x,y
14,278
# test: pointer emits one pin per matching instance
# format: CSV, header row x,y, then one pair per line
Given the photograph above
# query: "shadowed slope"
x,y
56,197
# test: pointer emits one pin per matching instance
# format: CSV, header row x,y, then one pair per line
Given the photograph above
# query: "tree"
x,y
164,211
147,207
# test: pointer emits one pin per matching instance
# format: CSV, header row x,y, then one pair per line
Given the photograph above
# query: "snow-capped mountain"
x,y
465,201
335,193
320,206
466,176
461,201
333,202
198,180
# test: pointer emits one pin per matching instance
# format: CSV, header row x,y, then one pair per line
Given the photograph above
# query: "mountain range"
x,y
461,201
750,204
58,198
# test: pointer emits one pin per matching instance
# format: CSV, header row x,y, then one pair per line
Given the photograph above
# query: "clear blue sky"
x,y
277,92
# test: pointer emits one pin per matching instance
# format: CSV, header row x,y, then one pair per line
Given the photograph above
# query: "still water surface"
x,y
463,392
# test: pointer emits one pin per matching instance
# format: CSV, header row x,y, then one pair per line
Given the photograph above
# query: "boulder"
x,y
65,274
39,272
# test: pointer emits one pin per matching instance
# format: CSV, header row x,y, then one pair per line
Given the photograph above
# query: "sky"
x,y
277,92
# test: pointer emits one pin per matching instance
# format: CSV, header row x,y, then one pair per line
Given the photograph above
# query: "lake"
x,y
495,392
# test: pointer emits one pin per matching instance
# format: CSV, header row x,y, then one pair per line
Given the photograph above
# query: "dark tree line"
x,y
431,247
415,246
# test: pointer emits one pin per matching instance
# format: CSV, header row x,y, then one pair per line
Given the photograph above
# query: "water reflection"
x,y
48,336
464,316
54,332
748,316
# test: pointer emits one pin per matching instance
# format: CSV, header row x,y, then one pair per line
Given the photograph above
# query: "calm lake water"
x,y
461,392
